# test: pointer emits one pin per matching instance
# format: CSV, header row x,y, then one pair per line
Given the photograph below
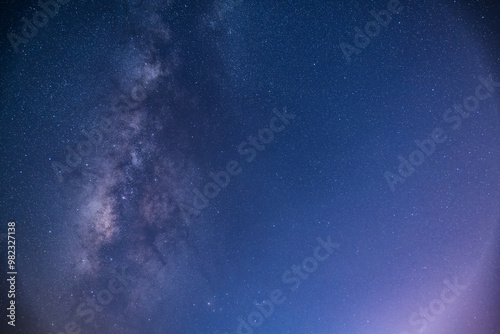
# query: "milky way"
x,y
128,193
185,167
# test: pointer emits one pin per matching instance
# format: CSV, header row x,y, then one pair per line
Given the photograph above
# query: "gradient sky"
x,y
236,166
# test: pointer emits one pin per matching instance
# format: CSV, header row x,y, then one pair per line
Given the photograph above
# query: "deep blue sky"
x,y
172,93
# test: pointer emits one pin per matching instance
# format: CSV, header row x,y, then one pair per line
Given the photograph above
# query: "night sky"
x,y
239,167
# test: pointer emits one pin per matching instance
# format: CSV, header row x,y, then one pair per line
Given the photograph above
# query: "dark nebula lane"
x,y
246,167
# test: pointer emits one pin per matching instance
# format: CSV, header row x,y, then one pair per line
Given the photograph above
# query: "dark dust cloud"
x,y
240,167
